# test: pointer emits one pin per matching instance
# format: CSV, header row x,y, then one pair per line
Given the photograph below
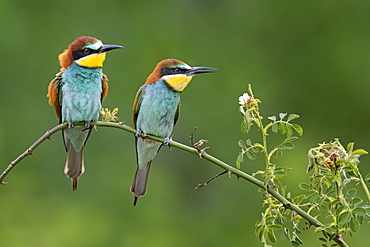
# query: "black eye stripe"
x,y
173,71
82,53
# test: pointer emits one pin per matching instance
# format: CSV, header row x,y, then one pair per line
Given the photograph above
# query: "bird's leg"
x,y
87,126
140,133
70,125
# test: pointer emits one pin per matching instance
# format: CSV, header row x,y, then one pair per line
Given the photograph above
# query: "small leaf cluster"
x,y
276,215
284,127
108,116
329,193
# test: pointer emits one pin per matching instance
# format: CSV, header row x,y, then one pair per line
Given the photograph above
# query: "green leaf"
x,y
359,211
354,225
286,233
254,149
237,163
298,199
352,193
296,238
288,145
272,118
251,155
304,186
271,236
359,152
298,129
279,175
350,147
344,217
289,130
295,244
318,230
259,145
248,142
241,144
241,157
355,201
291,138
282,115
274,227
275,127
245,127
282,128
292,117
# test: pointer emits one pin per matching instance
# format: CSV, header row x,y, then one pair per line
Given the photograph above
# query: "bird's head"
x,y
175,73
86,51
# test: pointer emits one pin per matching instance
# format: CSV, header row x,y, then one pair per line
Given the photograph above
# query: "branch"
x,y
289,205
29,151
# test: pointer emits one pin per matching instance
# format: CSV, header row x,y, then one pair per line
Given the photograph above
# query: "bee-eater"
x,y
155,112
76,94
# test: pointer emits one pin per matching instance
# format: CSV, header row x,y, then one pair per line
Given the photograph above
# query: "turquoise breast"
x,y
157,110
81,93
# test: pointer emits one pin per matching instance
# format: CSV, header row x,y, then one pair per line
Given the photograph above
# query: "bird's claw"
x,y
138,133
70,125
166,141
87,124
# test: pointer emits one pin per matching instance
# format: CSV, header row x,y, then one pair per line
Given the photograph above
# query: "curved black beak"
x,y
200,70
106,48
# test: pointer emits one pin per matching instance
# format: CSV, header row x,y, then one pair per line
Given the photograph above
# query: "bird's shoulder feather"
x,y
53,92
137,103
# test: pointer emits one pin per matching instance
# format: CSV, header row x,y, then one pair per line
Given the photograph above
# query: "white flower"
x,y
244,99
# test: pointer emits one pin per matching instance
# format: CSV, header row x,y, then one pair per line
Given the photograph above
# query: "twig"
x,y
209,180
198,144
29,151
289,205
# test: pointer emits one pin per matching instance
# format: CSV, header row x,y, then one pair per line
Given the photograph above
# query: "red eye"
x,y
86,50
177,70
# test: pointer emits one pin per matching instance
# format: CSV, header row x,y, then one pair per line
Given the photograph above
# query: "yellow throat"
x,y
177,82
95,60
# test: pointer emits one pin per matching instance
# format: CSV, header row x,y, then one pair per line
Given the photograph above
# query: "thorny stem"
x,y
29,151
363,184
312,220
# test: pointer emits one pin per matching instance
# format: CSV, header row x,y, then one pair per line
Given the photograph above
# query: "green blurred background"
x,y
311,58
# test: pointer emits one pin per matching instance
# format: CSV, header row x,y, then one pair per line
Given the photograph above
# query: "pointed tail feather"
x,y
74,165
138,187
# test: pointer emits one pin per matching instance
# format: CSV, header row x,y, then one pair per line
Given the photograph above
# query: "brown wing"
x,y
54,94
104,87
137,104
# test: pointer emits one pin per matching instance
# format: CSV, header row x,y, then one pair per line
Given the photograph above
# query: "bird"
x,y
156,111
76,93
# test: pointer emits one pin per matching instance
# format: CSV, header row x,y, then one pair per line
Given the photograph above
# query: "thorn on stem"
x,y
202,152
209,180
118,121
29,152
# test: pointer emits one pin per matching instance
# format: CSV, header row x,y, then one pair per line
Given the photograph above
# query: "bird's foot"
x,y
166,141
70,125
138,133
87,124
